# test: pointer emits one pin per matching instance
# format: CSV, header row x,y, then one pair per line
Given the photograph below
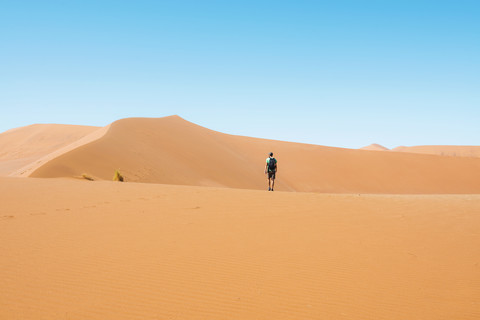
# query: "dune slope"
x,y
22,146
171,150
104,250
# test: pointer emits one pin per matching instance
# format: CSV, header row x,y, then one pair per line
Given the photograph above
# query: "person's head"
x,y
271,154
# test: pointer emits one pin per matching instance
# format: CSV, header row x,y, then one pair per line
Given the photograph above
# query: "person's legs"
x,y
271,180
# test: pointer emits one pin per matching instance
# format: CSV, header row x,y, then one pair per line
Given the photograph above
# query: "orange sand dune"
x,y
22,146
174,151
375,147
102,250
459,151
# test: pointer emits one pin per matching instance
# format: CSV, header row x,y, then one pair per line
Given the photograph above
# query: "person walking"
x,y
271,170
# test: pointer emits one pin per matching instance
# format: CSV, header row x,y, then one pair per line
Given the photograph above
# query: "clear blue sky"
x,y
338,73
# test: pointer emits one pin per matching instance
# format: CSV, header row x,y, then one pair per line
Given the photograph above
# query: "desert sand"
x,y
104,250
192,234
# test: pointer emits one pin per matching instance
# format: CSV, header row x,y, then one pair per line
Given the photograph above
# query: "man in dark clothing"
x,y
271,170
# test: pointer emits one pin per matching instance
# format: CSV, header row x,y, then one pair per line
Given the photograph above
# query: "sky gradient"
x,y
337,73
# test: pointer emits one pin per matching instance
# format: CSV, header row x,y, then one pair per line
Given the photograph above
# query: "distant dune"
x,y
457,151
375,147
25,145
171,150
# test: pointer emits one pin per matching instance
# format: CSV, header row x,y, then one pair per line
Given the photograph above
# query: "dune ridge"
x,y
25,171
171,150
20,147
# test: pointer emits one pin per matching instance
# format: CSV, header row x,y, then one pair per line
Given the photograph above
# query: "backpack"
x,y
272,164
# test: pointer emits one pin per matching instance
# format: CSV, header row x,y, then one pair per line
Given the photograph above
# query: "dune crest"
x,y
171,150
375,147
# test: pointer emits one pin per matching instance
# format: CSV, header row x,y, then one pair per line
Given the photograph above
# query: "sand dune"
x,y
20,147
76,249
26,170
103,250
458,151
375,147
171,150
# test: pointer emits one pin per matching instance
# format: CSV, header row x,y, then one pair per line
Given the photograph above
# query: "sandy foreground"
x,y
72,249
